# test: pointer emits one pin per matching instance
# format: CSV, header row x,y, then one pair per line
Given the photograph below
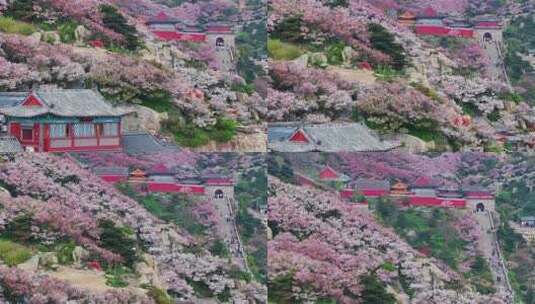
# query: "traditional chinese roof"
x,y
400,186
425,182
9,144
429,12
159,169
116,171
450,191
408,15
427,21
138,173
219,27
329,173
144,143
372,184
64,103
162,179
10,99
527,219
331,137
477,192
218,180
162,18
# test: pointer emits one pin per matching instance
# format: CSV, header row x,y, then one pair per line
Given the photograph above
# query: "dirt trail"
x,y
85,279
359,75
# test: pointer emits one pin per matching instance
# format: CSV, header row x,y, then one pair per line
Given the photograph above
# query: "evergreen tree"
x,y
113,19
20,10
374,291
385,42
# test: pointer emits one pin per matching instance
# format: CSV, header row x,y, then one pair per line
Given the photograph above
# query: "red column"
x,y
98,128
36,137
119,134
71,134
46,141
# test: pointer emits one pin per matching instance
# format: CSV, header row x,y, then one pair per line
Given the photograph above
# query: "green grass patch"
x,y
160,101
427,91
427,229
13,254
511,96
481,276
201,289
64,253
159,296
238,274
243,88
191,135
279,50
220,249
177,210
470,109
386,73
494,115
115,277
281,289
12,26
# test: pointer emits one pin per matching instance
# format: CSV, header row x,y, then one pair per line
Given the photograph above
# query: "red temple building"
x,y
408,18
429,22
137,176
61,121
329,173
424,192
170,29
400,189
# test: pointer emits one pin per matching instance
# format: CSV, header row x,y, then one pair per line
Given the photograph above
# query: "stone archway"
x,y
487,36
219,41
480,207
218,194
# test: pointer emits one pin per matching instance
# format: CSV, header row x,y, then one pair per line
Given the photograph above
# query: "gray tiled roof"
x,y
9,144
10,99
162,179
81,103
331,137
528,218
474,188
365,183
122,171
144,143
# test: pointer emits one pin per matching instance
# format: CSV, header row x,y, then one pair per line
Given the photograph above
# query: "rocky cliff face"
x,y
254,140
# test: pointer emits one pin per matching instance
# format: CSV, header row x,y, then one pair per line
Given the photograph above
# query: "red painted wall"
x,y
180,36
174,188
348,193
193,37
167,36
113,178
436,202
444,31
15,129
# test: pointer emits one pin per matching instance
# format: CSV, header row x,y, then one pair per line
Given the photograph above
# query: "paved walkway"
x,y
227,230
490,249
496,67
